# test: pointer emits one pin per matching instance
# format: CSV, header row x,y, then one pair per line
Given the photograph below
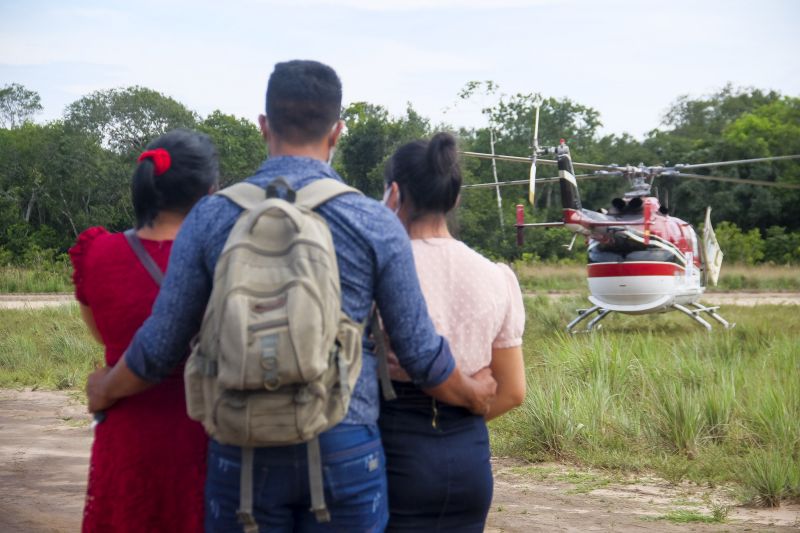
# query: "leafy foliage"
x,y
239,143
18,105
125,120
371,137
60,177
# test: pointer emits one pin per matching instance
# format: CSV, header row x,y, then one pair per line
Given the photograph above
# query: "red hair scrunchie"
x,y
161,160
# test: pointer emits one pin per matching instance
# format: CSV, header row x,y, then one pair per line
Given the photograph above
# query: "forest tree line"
x,y
60,177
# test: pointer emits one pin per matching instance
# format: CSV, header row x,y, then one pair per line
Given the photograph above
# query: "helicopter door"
x,y
711,250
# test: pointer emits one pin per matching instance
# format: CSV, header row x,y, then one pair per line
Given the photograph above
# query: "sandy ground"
x,y
34,301
747,299
44,449
44,453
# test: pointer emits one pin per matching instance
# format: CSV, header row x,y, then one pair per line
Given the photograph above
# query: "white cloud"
x,y
628,60
412,5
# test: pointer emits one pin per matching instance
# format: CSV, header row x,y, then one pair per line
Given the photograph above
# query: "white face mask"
x,y
332,151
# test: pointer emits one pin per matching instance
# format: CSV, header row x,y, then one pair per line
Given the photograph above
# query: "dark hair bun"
x,y
428,172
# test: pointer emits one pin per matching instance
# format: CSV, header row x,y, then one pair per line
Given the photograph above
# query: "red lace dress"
x,y
147,468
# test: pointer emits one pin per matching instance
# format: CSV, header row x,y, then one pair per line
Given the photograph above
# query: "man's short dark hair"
x,y
304,99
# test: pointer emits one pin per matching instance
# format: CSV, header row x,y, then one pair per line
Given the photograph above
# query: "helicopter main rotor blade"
x,y
527,181
532,174
739,162
736,180
529,160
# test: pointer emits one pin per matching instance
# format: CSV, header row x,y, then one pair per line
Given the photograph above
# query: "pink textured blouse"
x,y
474,303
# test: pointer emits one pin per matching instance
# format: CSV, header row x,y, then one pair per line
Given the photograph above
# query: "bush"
x,y
740,247
781,247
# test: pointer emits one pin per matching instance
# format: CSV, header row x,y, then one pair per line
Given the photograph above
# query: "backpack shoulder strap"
x,y
320,191
381,352
144,258
245,195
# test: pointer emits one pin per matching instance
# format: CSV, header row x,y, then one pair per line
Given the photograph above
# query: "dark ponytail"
x,y
144,194
427,173
189,172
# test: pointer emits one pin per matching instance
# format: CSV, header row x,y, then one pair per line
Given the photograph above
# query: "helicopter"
x,y
640,259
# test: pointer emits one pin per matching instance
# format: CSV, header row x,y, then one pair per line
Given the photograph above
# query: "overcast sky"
x,y
627,59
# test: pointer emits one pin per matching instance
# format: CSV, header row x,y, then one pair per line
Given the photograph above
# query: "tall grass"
x,y
55,278
770,476
657,393
651,393
48,348
544,277
553,277
761,277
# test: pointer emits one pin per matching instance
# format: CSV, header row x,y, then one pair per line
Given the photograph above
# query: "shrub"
x,y
781,247
738,246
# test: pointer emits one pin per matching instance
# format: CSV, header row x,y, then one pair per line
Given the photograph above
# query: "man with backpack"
x,y
277,376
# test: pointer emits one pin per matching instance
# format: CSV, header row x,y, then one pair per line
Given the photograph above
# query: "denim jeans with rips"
x,y
355,484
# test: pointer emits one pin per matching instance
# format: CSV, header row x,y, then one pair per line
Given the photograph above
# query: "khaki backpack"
x,y
276,360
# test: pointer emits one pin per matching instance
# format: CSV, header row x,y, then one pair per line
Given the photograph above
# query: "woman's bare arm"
x,y
508,369
88,318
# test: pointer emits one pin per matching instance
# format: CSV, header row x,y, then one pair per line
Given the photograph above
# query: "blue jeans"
x,y
437,464
353,470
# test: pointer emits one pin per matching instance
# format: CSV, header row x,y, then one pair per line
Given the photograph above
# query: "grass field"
x,y
532,277
646,394
47,348
552,277
27,280
656,393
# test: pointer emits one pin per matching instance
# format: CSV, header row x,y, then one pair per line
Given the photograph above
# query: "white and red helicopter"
x,y
641,259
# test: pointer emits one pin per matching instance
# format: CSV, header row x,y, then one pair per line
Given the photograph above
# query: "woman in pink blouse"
x,y
437,455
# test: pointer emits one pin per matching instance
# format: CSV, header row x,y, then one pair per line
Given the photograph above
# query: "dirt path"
x,y
747,299
34,301
558,497
44,449
44,452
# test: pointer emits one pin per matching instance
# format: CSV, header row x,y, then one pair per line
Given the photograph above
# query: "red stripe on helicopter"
x,y
605,270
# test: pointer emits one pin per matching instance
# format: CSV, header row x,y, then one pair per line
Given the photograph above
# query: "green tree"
x,y
739,246
18,105
782,247
371,137
239,143
512,120
53,177
728,125
125,120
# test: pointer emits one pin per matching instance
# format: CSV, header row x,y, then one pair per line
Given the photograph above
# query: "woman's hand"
x,y
96,390
396,371
475,392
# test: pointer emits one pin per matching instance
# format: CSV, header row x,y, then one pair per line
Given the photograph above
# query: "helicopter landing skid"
x,y
699,308
694,313
583,314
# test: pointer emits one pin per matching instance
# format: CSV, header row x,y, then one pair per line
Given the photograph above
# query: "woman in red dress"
x,y
147,468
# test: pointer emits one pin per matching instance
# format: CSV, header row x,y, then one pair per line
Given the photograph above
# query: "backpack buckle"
x,y
276,184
